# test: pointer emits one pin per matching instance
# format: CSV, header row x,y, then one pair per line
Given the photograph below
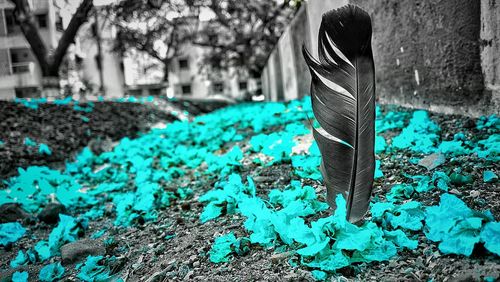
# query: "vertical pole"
x,y
97,35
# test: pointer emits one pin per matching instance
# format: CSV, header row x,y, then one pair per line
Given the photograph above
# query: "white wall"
x,y
113,77
202,81
288,70
490,53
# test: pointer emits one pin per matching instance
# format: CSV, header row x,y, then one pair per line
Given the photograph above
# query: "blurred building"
x,y
136,73
100,70
189,78
20,74
186,78
93,67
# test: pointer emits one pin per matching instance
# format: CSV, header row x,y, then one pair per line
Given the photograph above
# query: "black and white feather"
x,y
343,100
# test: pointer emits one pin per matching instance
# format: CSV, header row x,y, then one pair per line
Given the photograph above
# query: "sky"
x,y
205,14
103,2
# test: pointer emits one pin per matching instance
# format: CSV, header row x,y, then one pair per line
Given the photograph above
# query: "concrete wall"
x,y
299,38
190,76
4,62
427,53
441,55
113,76
286,75
3,24
490,51
288,71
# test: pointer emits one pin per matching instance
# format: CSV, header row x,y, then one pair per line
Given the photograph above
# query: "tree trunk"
x,y
97,35
166,68
27,21
50,87
49,64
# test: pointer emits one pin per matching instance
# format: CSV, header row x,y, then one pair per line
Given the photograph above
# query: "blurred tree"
x,y
157,27
242,34
49,60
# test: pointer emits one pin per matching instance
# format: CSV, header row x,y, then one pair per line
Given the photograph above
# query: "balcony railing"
x,y
22,67
6,4
13,29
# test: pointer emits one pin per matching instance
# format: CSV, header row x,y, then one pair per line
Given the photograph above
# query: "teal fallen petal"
x,y
10,233
211,211
490,235
92,270
399,238
319,275
51,272
460,179
489,176
19,260
20,276
330,262
44,149
378,171
222,248
378,209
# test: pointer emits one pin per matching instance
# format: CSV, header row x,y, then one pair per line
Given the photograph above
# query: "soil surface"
x,y
66,130
175,246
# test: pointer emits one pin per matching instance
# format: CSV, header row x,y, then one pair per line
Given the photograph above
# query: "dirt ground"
x,y
175,246
67,131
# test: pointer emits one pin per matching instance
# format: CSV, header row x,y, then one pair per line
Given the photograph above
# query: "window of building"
x,y
186,89
42,20
183,64
59,22
26,92
14,57
20,59
134,92
156,91
9,17
218,87
243,85
20,55
10,21
212,38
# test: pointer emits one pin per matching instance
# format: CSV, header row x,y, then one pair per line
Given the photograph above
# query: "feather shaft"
x,y
343,101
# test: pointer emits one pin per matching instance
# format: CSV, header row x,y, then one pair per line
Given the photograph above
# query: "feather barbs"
x,y
343,102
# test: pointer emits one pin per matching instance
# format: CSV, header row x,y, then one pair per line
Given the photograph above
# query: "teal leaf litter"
x,y
135,173
11,232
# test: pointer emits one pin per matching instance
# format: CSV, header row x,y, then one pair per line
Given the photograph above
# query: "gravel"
x,y
175,247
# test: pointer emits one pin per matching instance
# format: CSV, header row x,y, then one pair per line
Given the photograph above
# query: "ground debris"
x,y
141,198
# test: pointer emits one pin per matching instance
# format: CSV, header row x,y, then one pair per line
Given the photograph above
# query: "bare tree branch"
x,y
243,33
68,37
145,24
49,64
26,20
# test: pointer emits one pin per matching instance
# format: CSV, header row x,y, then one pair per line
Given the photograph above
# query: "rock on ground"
x,y
12,212
79,250
50,214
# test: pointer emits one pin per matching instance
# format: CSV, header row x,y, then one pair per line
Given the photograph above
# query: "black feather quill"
x,y
343,100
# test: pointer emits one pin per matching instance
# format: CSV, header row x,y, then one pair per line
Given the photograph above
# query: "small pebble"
x,y
474,193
